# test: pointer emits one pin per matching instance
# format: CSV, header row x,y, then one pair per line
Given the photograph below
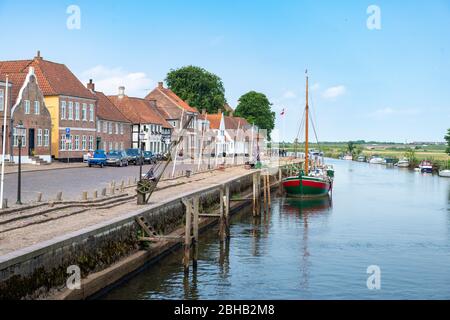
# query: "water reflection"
x,y
305,209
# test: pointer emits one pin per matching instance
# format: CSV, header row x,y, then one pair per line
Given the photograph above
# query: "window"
x,y
46,137
70,110
121,128
2,100
62,143
37,107
77,111
105,146
99,126
91,112
39,137
63,111
91,143
121,145
110,146
110,129
77,143
117,146
69,144
84,112
83,143
105,126
117,128
27,106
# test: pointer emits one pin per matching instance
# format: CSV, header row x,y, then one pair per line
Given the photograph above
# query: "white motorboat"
x,y
444,173
404,163
348,157
376,160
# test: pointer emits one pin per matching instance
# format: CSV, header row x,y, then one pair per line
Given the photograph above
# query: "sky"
x,y
379,75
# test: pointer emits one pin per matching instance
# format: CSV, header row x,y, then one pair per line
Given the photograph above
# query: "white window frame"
x,y
91,112
110,146
99,126
121,128
70,111
91,143
62,143
83,143
77,111
27,107
39,137
110,130
63,110
105,126
46,137
37,107
117,128
77,143
84,112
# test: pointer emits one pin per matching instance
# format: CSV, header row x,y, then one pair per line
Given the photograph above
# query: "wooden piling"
x,y
95,194
222,233
254,195
269,203
104,192
187,236
280,181
227,211
59,196
84,195
265,192
39,197
196,221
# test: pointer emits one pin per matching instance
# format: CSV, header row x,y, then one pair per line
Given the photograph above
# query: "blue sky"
x,y
391,84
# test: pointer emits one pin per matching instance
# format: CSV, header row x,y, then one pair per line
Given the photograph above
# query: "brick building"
x,y
177,112
27,107
146,119
71,105
113,128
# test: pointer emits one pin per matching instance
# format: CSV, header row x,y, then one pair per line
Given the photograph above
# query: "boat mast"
x,y
306,129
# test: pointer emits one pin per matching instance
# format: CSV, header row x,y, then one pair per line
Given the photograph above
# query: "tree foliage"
x,y
198,87
447,138
255,107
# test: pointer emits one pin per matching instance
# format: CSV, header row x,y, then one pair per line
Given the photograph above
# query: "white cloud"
x,y
384,112
289,95
108,80
315,87
334,92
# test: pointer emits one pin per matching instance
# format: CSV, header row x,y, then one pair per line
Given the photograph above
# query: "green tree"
x,y
447,138
256,109
410,154
351,147
198,87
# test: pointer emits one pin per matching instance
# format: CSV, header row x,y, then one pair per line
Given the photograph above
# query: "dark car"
x,y
117,158
149,157
134,156
98,159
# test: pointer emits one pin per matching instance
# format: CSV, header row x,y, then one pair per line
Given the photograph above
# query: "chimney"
x,y
161,85
91,85
203,111
38,55
121,92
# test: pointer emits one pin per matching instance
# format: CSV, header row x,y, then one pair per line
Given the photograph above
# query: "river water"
x,y
391,218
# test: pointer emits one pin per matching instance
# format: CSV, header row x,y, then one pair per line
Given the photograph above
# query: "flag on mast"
x,y
283,112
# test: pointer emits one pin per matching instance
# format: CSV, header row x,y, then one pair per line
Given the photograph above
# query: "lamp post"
x,y
141,147
20,132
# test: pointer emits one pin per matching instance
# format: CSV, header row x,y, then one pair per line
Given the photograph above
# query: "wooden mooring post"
x,y
191,231
257,194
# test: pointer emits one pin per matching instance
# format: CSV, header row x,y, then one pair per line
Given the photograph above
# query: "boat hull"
x,y
444,173
307,187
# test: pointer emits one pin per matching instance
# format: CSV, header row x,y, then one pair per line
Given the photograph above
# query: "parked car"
x,y
134,156
117,158
149,157
98,159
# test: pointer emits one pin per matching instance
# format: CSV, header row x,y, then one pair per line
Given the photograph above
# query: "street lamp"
x,y
141,147
20,132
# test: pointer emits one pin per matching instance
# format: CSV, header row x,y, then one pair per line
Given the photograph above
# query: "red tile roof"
x,y
214,120
176,100
139,110
53,78
106,110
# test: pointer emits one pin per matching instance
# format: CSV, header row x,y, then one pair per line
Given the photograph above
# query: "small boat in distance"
x,y
361,159
426,166
314,179
404,163
347,157
389,161
376,160
444,173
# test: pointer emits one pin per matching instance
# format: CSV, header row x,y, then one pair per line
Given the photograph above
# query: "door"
x,y
98,143
30,142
